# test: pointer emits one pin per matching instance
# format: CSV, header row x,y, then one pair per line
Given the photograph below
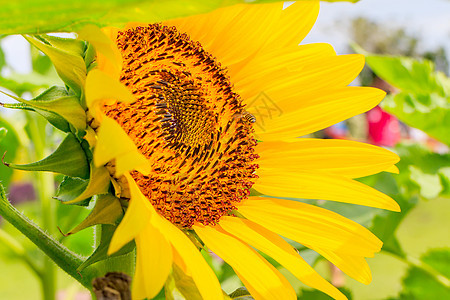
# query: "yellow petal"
x,y
109,58
279,49
114,143
102,88
277,248
180,262
354,266
346,158
393,169
294,24
136,218
318,185
131,161
274,65
153,263
234,32
323,73
253,291
256,293
301,114
247,262
311,225
203,276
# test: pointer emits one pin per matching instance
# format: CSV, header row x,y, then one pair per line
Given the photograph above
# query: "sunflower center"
x,y
189,124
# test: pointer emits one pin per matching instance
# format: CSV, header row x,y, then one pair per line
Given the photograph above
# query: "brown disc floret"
x,y
188,123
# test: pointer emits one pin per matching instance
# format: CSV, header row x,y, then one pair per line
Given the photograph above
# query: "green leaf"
x,y
419,284
408,74
107,210
438,259
426,170
9,144
429,184
427,112
424,98
56,106
67,57
39,16
68,159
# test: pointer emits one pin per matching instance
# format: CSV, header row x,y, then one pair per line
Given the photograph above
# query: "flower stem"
x,y
63,257
49,277
45,189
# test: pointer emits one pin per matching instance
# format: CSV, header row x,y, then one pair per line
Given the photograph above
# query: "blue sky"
x,y
427,19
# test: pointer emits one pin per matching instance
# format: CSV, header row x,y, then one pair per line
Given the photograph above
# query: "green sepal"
x,y
179,283
67,57
89,56
241,293
98,184
57,106
101,253
52,118
68,159
107,210
70,188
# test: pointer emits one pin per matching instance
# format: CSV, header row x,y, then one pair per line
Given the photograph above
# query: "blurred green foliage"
x,y
9,145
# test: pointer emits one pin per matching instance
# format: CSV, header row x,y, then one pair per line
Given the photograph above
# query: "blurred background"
x,y
407,43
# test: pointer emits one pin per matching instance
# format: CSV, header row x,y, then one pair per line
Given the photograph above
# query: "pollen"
x,y
188,122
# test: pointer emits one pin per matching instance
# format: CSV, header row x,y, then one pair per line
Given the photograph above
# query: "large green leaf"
x,y
431,282
40,16
427,112
408,74
424,98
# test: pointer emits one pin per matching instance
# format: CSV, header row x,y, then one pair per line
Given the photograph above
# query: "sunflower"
x,y
201,136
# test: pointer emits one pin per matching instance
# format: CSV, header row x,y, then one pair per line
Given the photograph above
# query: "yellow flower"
x,y
209,119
